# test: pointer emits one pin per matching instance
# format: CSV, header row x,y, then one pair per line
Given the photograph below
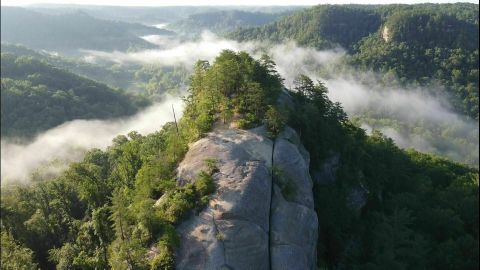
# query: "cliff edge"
x,y
248,223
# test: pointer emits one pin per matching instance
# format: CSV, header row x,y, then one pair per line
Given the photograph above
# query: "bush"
x,y
204,184
275,121
164,260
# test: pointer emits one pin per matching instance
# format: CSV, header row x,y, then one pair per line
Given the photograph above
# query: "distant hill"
x,y
148,80
36,96
321,26
112,75
326,26
417,43
294,183
221,22
152,15
68,33
428,44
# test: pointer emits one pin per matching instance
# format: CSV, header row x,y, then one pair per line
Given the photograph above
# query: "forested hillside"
x,y
422,44
37,96
322,26
386,208
67,33
148,80
106,218
221,22
152,15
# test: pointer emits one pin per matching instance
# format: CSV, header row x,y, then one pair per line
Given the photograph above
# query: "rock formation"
x,y
250,224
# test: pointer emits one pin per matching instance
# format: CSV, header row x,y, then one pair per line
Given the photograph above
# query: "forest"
x,y
37,96
222,22
69,32
387,205
98,213
416,49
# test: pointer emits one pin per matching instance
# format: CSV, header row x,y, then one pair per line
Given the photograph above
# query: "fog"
x,y
160,25
173,52
69,141
413,117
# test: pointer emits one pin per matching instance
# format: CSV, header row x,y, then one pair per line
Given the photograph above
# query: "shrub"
x,y
275,121
204,184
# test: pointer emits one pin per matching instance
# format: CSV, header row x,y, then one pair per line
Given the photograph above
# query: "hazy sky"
x,y
219,2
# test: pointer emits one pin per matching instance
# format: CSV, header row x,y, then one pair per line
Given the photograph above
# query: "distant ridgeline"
x,y
148,80
70,32
221,22
384,208
37,96
415,43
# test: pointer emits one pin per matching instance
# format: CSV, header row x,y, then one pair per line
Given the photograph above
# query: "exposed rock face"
x,y
294,224
326,175
248,224
386,34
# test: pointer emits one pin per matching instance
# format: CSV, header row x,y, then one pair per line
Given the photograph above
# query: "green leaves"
x,y
275,121
14,256
37,96
235,87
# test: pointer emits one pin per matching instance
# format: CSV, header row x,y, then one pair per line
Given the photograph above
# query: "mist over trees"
x,y
103,211
120,207
415,43
222,22
37,96
67,33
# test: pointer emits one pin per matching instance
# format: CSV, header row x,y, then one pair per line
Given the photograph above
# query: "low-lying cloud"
x,y
69,141
173,52
412,117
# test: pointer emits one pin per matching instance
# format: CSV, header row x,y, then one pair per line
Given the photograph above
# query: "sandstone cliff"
x,y
250,224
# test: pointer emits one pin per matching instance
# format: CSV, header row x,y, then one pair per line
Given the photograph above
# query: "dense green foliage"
x,y
235,88
421,44
70,32
322,26
149,80
155,81
15,256
37,96
415,210
387,209
317,119
101,212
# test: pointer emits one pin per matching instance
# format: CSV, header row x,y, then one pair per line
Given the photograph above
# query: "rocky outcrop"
x,y
249,224
327,174
386,34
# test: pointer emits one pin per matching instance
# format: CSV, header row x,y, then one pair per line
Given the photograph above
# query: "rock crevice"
x,y
248,223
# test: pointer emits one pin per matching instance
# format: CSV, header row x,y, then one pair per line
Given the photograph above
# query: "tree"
x,y
303,85
275,121
121,218
102,227
14,256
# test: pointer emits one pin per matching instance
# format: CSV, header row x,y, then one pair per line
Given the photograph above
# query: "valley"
x,y
195,137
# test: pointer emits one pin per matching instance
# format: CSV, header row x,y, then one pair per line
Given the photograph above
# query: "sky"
x,y
219,2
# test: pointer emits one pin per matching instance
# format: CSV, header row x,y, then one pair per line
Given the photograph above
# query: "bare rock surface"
x,y
245,226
